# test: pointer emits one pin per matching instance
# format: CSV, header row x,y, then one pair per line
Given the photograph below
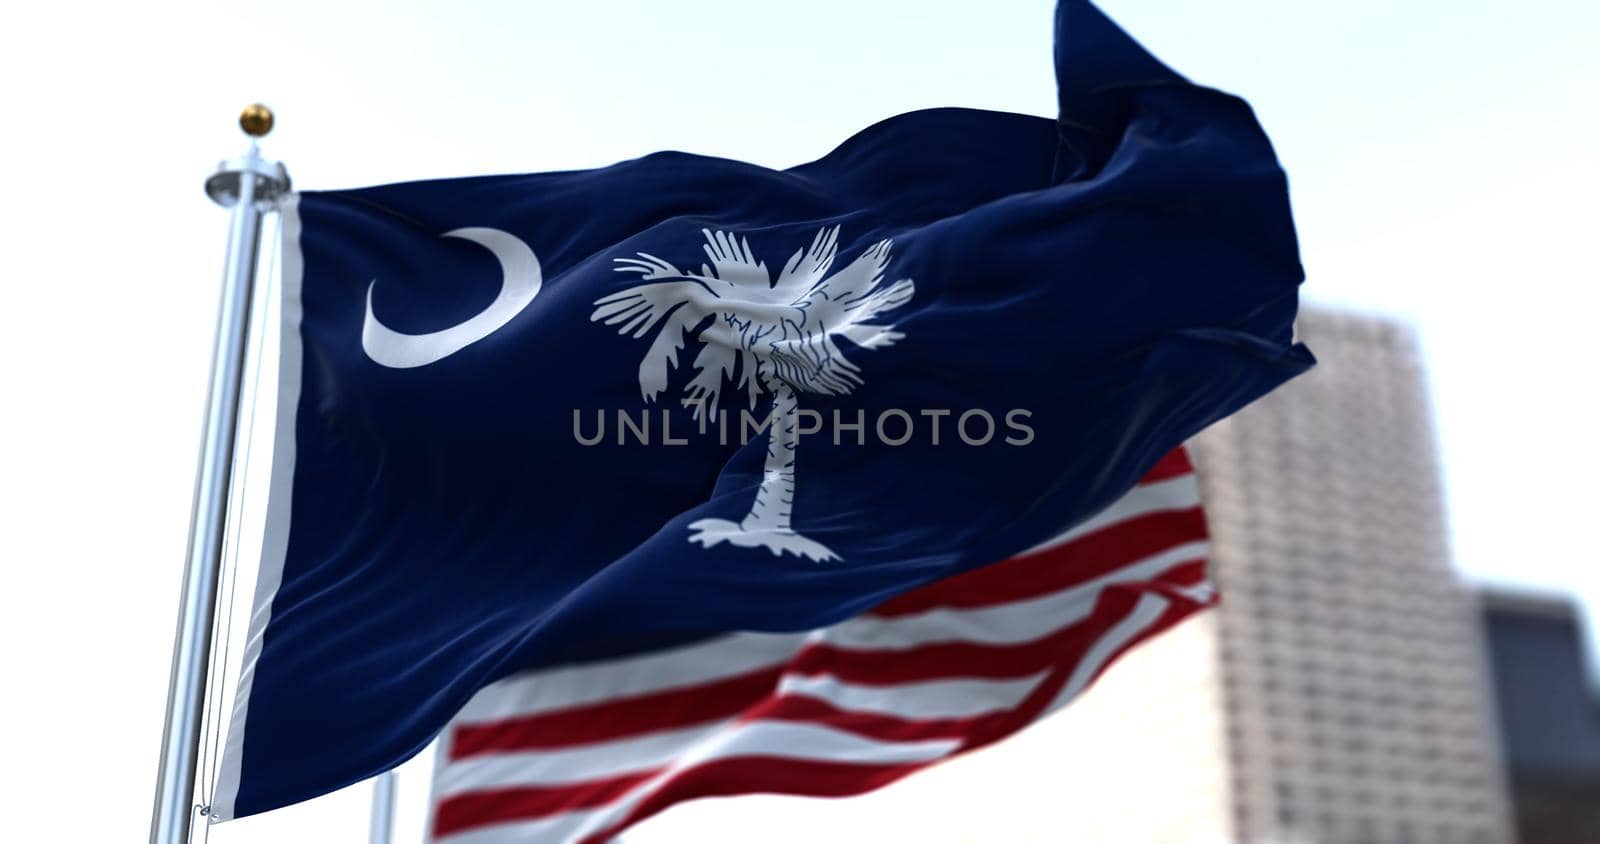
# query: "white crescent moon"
x,y
520,282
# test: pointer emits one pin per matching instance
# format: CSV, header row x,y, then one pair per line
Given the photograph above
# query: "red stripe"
x,y
873,725
947,660
750,774
482,808
698,704
1063,566
1174,464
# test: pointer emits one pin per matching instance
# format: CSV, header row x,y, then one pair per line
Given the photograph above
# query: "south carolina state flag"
x,y
564,419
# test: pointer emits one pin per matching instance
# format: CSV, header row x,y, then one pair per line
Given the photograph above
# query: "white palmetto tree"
x,y
768,336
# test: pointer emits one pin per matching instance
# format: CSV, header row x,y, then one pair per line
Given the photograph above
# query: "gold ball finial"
x,y
256,120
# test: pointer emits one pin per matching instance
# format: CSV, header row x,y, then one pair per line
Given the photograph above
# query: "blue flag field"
x,y
555,418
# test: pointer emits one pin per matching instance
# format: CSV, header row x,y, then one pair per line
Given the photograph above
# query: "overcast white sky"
x,y
1441,157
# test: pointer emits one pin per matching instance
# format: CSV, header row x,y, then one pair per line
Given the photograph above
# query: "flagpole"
x,y
383,789
250,186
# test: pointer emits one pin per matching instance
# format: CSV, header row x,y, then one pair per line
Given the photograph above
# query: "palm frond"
x,y
655,369
857,279
714,364
869,336
648,266
732,261
809,265
639,308
878,301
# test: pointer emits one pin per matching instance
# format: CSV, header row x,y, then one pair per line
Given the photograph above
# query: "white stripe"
x,y
814,742
1012,623
810,742
562,827
927,699
1179,493
1145,613
563,688
275,536
571,764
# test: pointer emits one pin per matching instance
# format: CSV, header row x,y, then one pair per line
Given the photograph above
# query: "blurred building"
x,y
1340,694
1549,717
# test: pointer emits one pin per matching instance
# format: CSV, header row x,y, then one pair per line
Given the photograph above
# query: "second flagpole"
x,y
383,792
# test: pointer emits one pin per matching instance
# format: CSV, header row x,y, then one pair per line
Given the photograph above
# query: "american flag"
x,y
580,753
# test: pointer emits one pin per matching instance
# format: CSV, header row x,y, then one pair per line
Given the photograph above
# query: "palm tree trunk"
x,y
775,499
